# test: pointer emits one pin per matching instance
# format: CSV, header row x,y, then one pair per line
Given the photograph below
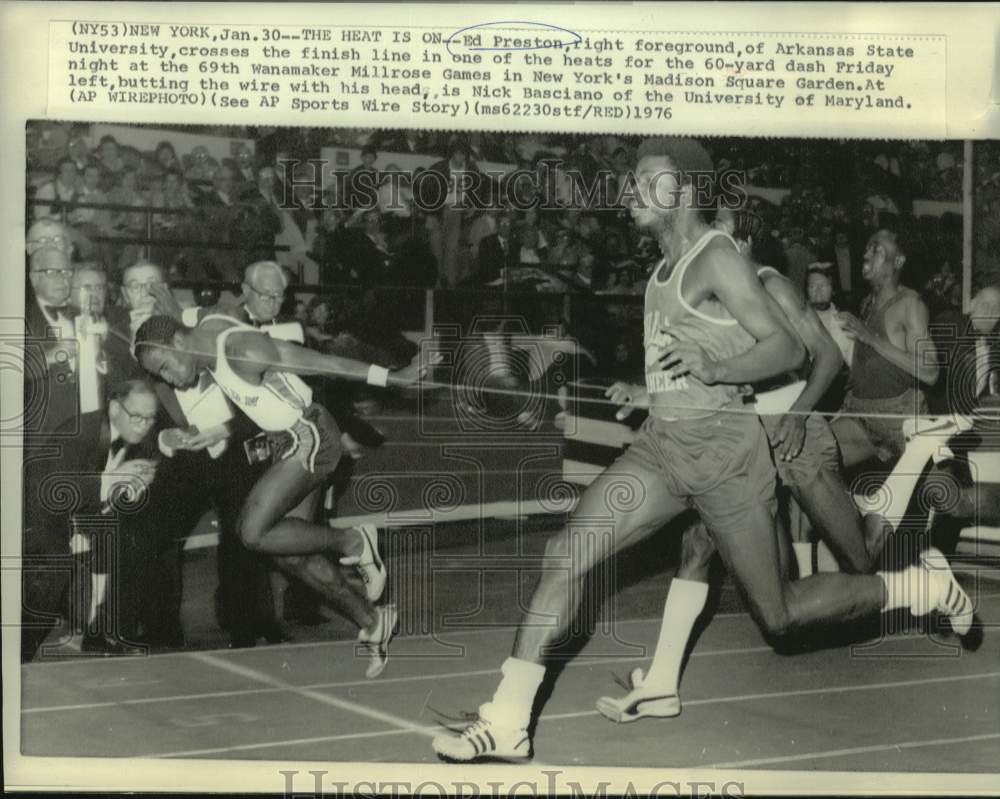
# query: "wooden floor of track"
x,y
907,703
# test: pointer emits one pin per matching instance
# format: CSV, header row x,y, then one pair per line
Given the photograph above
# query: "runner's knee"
x,y
697,550
251,528
775,620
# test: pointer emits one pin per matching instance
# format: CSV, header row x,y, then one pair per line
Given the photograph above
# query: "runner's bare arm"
x,y
822,349
919,357
253,353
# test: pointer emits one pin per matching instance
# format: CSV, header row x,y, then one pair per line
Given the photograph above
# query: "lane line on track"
x,y
857,750
582,662
429,731
839,689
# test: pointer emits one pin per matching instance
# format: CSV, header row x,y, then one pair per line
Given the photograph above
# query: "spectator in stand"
x,y
363,181
91,221
79,152
939,289
108,461
317,318
244,167
531,251
820,291
200,172
111,161
63,189
166,157
220,214
447,189
566,252
497,252
367,251
329,248
258,219
799,256
300,227
88,226
126,224
173,195
50,374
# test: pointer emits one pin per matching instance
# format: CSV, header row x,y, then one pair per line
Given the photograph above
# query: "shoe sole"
x,y
383,645
620,712
513,759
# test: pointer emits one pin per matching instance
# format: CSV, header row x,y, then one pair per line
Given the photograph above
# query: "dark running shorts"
x,y
314,442
819,451
886,434
720,465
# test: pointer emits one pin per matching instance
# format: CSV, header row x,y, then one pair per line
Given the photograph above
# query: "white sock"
x,y
514,697
825,560
685,602
98,590
803,551
905,475
905,589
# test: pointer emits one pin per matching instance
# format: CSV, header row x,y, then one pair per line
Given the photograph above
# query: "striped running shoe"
x,y
944,594
639,702
369,563
483,740
375,640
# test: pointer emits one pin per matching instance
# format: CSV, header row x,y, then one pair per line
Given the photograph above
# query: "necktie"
x,y
117,446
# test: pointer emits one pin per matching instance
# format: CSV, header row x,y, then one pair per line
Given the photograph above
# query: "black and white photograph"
x,y
451,399
361,445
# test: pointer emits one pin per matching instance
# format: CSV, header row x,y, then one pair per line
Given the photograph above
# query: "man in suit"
x,y
446,190
50,351
91,500
498,252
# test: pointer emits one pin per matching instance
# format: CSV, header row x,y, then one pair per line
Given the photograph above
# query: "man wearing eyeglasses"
x,y
145,292
107,463
50,347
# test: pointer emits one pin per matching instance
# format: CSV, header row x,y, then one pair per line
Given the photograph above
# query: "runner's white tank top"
x,y
276,404
780,393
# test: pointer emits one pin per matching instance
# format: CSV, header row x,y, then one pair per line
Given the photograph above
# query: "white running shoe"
x,y
369,563
376,639
484,740
944,594
639,702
